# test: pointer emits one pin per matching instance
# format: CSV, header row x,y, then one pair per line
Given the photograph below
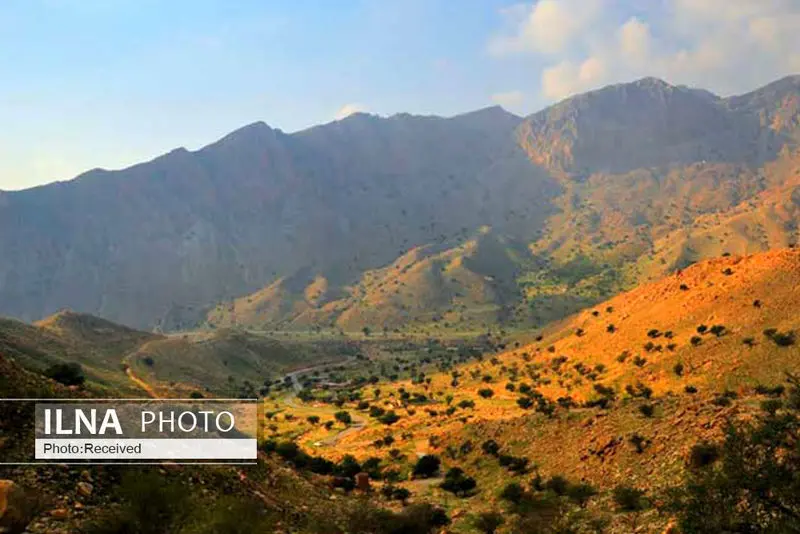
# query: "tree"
x,y
69,374
628,499
457,482
512,492
490,446
389,418
427,466
348,467
488,522
524,402
343,417
755,484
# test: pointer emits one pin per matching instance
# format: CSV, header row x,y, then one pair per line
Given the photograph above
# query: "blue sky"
x,y
108,83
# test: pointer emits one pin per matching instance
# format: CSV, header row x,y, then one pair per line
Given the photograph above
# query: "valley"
x,y
579,321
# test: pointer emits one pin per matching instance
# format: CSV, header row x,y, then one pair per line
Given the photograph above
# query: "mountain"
x,y
155,244
412,221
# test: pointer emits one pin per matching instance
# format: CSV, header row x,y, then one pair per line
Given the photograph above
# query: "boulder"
x,y
59,514
85,489
362,481
14,507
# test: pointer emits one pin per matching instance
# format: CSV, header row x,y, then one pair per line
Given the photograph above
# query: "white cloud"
x,y
510,100
634,40
548,26
726,46
349,109
567,78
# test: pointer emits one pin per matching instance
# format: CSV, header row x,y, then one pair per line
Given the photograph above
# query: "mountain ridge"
x,y
160,243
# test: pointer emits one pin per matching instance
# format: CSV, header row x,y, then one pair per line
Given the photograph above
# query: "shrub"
x,y
690,389
718,330
629,499
524,402
394,493
639,442
69,374
721,400
703,454
696,340
581,493
771,406
776,391
647,410
488,522
389,418
490,447
427,466
678,369
557,484
783,339
343,417
313,419
457,482
513,493
486,393
702,329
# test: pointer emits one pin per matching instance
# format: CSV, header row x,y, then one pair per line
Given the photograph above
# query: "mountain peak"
x,y
255,130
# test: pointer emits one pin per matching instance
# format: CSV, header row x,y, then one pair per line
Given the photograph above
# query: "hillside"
x,y
227,362
56,499
700,347
96,344
263,229
220,361
462,287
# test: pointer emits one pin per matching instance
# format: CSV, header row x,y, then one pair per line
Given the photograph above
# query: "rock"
x,y
85,489
672,527
59,513
362,481
14,511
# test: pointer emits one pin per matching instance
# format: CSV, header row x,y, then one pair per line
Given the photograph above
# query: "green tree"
x,y
427,466
754,486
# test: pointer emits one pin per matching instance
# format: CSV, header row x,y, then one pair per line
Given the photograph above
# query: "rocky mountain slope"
x,y
586,198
